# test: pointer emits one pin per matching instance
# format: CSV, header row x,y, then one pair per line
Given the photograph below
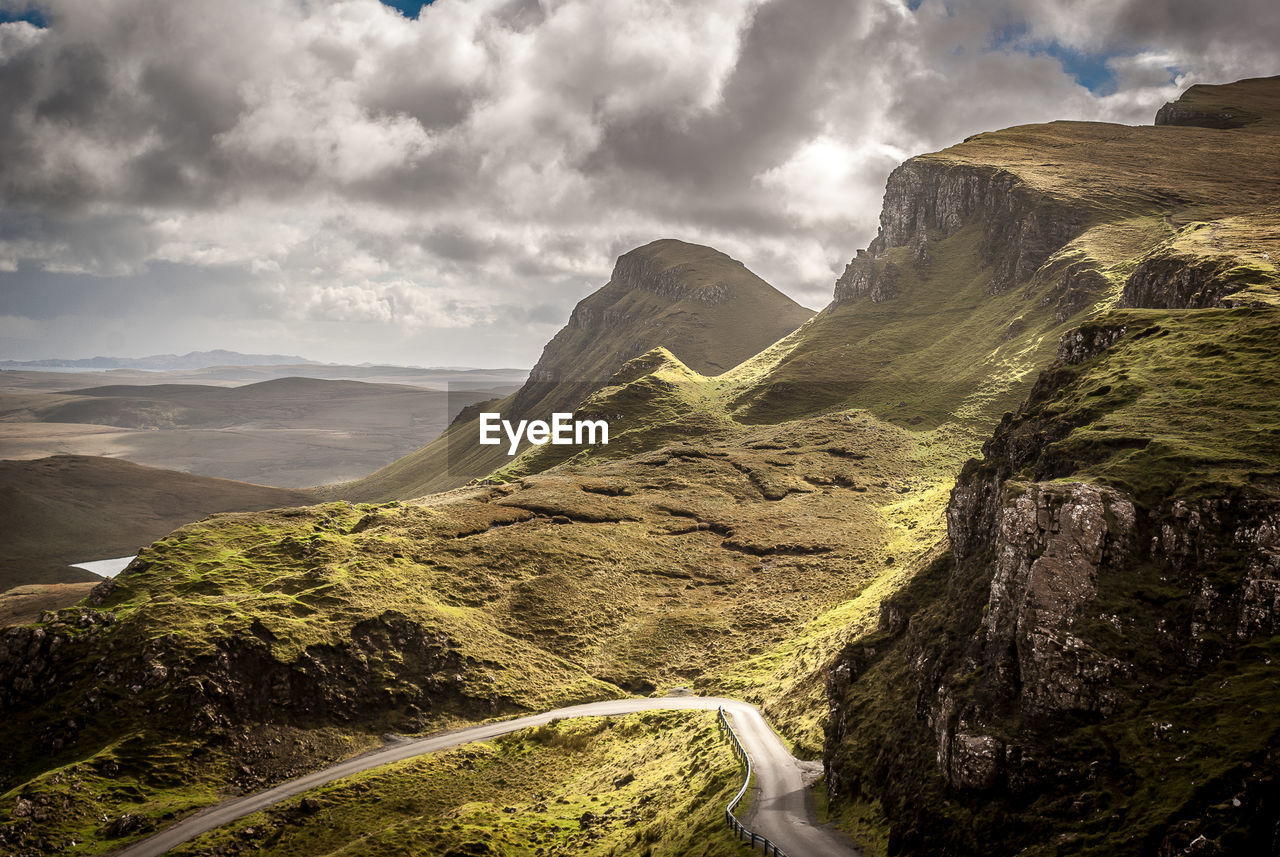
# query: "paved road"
x,y
780,808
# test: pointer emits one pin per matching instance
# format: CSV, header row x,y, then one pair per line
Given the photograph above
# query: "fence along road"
x,y
780,809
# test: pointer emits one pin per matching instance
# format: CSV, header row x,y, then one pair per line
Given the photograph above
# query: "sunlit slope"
x,y
705,307
325,627
595,787
741,528
988,248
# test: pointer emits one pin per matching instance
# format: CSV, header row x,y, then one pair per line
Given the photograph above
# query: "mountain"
x,y
161,362
1091,664
705,307
72,508
994,534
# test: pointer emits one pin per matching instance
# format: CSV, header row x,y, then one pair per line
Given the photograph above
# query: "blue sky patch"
x,y
31,16
1088,69
408,8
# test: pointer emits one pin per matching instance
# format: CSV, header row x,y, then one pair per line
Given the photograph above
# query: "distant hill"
x,y
704,307
54,380
162,362
73,508
287,432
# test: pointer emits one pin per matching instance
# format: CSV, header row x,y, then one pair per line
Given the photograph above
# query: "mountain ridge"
x,y
998,548
707,309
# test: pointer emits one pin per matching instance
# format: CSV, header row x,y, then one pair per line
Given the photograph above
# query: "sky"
x,y
439,184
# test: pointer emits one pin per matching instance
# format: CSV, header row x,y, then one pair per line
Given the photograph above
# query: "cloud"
x,y
477,169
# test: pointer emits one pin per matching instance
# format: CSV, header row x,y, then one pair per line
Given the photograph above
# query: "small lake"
x,y
106,567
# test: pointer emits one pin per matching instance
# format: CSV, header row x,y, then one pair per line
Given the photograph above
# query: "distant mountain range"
x,y
162,362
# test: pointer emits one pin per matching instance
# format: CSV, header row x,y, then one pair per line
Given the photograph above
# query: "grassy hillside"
x,y
330,625
706,308
745,531
1171,721
599,786
73,508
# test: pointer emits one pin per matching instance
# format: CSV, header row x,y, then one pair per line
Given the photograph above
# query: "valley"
x,y
993,537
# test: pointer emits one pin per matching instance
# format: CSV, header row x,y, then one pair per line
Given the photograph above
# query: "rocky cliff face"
x,y
1244,103
864,278
1057,561
1169,280
1068,618
1173,113
389,665
927,199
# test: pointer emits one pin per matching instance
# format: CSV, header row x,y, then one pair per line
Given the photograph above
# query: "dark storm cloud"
x,y
478,168
783,63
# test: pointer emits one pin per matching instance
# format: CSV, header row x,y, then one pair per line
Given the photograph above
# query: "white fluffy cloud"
x,y
330,162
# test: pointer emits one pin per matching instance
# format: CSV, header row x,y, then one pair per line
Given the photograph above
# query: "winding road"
x,y
780,808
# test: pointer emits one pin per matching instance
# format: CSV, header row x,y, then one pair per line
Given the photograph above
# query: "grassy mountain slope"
x,y
705,307
1091,666
72,508
744,529
600,787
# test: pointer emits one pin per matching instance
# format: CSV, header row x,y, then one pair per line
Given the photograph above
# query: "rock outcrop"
x,y
927,199
1168,280
864,278
387,666
1173,113
1064,608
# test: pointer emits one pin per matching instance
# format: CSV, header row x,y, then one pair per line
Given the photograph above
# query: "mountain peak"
x,y
684,306
683,271
707,308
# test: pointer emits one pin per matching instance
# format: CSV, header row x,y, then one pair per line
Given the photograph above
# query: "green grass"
x,y
73,508
939,352
669,569
743,527
1183,406
653,783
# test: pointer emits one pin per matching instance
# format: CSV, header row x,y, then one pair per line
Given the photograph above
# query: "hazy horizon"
x,y
303,358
